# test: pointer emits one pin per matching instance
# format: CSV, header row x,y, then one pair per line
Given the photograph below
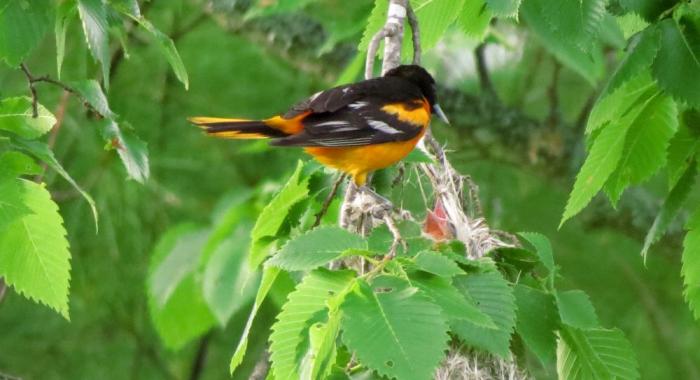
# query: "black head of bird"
x,y
423,80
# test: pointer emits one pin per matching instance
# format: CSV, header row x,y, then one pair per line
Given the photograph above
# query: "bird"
x,y
355,128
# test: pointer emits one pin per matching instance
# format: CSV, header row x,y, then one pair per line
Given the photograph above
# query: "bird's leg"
x,y
328,200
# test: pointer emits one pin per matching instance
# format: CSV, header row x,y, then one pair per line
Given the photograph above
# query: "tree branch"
x,y
415,34
200,357
32,80
483,72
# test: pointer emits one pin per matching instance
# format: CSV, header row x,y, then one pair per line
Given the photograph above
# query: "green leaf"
x,y
408,332
129,7
599,165
92,92
168,48
176,304
494,296
184,317
672,204
268,279
610,32
273,215
437,264
376,21
595,354
639,56
683,146
131,150
631,24
173,260
475,18
512,259
16,116
455,306
644,152
504,8
576,22
228,283
434,17
615,105
12,207
22,27
678,59
537,322
64,14
418,156
576,309
316,248
590,65
690,271
649,9
42,152
543,249
319,359
34,256
93,16
14,164
306,306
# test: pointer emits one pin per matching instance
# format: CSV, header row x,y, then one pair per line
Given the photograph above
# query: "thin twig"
x,y
200,357
60,114
31,79
415,34
372,51
553,94
483,71
328,200
32,90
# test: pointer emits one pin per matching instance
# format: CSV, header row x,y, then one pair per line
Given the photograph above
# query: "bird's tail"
x,y
237,128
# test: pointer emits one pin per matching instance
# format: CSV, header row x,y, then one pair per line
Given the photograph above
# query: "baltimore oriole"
x,y
356,128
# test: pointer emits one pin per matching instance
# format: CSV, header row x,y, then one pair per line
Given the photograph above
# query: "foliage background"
x,y
257,68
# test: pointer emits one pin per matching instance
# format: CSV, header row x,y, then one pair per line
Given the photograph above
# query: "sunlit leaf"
x,y
595,354
16,116
42,152
306,305
34,256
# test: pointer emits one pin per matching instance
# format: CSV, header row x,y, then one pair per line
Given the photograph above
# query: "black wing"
x,y
386,89
361,122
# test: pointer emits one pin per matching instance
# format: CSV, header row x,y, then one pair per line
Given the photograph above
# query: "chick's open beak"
x,y
438,111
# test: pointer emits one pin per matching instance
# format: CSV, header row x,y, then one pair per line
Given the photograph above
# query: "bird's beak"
x,y
438,111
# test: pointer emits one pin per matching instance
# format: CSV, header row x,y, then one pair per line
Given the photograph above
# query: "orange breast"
x,y
357,161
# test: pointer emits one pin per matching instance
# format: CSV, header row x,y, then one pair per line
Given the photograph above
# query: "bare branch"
x,y
32,80
32,90
415,34
483,71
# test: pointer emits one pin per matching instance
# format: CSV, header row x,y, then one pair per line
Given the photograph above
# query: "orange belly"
x,y
358,161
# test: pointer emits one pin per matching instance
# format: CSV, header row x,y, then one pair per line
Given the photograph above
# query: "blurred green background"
x,y
518,140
